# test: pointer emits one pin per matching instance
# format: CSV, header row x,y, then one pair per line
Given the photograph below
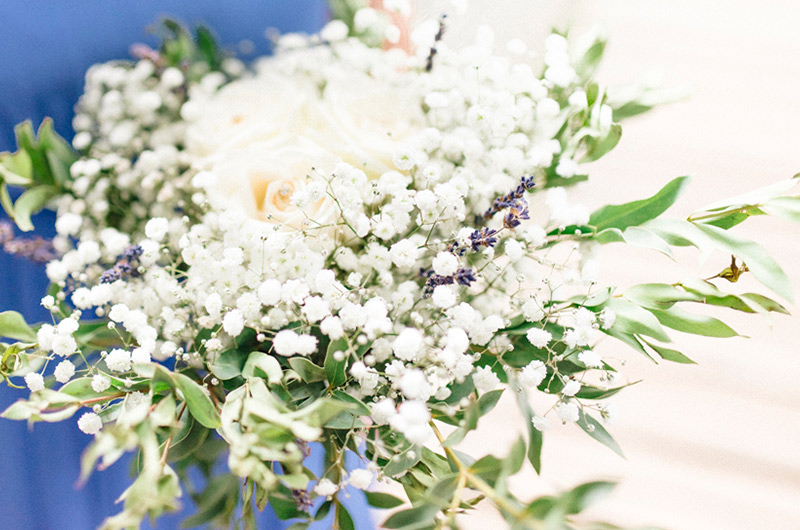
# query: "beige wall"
x,y
713,446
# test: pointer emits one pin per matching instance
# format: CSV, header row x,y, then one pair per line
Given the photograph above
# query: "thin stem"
x,y
479,484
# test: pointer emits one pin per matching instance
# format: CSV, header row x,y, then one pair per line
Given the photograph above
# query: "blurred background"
x,y
713,445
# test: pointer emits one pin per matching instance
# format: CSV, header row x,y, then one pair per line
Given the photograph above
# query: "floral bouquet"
x,y
348,244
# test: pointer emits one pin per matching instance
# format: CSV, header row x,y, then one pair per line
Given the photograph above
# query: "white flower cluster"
x,y
339,201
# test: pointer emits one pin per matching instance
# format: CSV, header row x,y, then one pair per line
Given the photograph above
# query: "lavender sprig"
x,y
513,200
127,265
36,249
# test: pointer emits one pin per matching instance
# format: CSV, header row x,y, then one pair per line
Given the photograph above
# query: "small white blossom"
x,y
571,388
407,344
64,371
538,337
90,423
567,412
35,381
118,360
445,264
533,374
485,379
361,478
100,383
156,229
325,488
540,423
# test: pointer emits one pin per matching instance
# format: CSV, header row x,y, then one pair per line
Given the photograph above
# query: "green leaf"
x,y
644,238
81,388
591,58
669,354
581,497
308,371
695,324
658,295
189,439
383,501
413,518
197,400
335,370
630,339
31,202
219,496
535,437
633,319
597,147
260,364
13,326
755,197
323,511
16,169
593,392
345,520
595,429
516,456
488,468
785,207
402,462
637,212
228,365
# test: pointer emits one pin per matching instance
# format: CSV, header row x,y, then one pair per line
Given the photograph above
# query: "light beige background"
x,y
714,446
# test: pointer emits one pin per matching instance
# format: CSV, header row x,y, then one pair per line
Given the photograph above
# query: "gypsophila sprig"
x,y
337,244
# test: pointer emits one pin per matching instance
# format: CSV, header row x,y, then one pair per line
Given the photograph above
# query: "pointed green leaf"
x,y
13,326
637,212
695,324
383,501
595,429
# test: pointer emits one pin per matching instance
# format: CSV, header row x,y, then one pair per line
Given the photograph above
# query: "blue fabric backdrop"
x,y
45,48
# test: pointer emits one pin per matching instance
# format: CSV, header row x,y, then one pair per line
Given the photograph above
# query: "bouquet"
x,y
346,244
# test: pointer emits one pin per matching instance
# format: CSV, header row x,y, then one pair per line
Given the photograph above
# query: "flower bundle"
x,y
349,245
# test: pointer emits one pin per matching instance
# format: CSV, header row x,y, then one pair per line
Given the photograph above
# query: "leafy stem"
x,y
467,477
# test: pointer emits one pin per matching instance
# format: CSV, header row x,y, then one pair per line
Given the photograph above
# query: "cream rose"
x,y
365,120
261,136
265,179
247,111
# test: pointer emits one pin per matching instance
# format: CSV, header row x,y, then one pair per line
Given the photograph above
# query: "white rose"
x,y
365,121
247,111
263,178
262,135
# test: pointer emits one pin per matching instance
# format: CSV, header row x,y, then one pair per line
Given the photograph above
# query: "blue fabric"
x,y
45,48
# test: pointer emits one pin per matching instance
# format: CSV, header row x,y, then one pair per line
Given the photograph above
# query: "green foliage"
x,y
13,326
383,501
197,53
40,165
635,213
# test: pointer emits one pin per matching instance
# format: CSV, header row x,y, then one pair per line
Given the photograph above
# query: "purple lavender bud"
x,y
110,276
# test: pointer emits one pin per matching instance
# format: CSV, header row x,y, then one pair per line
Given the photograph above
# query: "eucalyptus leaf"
x,y
595,429
695,324
197,400
335,370
260,364
633,319
31,202
13,326
307,370
579,498
383,501
635,213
